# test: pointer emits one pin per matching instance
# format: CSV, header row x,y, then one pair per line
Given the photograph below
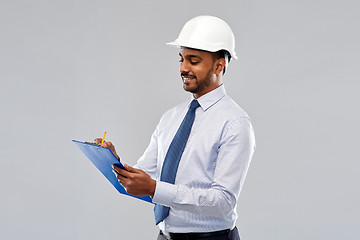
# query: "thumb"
x,y
106,144
130,169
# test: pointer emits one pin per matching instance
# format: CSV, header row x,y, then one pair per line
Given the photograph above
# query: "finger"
x,y
119,176
122,181
121,170
98,141
124,173
131,169
116,170
117,167
107,144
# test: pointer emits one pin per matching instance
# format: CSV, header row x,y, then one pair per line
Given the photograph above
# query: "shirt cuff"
x,y
165,193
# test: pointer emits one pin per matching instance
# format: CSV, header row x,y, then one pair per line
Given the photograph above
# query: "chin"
x,y
189,89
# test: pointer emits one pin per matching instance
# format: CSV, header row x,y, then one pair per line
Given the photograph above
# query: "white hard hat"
x,y
207,33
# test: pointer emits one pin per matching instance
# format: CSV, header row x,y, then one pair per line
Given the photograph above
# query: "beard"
x,y
200,84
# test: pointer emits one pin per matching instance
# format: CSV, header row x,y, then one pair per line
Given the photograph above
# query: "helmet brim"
x,y
198,47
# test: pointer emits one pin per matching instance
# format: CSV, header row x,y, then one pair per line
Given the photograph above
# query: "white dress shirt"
x,y
212,168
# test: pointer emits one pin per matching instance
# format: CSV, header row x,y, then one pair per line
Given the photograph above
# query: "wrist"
x,y
152,188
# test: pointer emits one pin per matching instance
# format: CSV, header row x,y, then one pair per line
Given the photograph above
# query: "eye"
x,y
194,60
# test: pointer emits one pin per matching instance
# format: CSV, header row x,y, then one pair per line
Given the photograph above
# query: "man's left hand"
x,y
135,181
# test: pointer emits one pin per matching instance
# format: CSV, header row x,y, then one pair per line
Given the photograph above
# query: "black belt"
x,y
191,236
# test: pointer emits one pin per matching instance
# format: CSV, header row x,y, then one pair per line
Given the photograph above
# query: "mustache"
x,y
187,75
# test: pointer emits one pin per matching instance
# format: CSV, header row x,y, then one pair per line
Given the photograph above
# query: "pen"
x,y
102,141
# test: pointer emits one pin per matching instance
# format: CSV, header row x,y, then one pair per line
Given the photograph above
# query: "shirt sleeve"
x,y
235,151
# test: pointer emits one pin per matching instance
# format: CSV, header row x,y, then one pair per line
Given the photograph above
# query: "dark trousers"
x,y
232,235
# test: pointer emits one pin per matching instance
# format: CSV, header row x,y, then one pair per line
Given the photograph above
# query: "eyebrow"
x,y
191,56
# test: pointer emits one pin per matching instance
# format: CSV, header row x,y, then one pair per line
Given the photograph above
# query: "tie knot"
x,y
194,104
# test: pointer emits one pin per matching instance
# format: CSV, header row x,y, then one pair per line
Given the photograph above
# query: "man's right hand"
x,y
107,145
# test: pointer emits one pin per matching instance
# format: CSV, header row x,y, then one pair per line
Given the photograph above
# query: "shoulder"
x,y
230,109
234,118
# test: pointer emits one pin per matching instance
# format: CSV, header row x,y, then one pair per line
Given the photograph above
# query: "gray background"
x,y
74,69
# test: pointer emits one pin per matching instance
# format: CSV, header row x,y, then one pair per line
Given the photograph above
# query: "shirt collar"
x,y
209,99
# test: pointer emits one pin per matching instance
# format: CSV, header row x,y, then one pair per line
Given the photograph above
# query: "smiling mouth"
x,y
187,79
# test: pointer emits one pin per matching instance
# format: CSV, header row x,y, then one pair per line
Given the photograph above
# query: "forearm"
x,y
212,201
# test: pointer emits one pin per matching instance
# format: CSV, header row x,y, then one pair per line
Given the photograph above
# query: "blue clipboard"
x,y
103,159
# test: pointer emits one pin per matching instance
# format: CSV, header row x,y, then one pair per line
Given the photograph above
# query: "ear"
x,y
219,66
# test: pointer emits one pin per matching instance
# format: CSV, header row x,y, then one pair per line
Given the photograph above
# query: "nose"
x,y
184,67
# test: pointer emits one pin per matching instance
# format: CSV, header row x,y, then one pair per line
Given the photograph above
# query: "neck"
x,y
197,95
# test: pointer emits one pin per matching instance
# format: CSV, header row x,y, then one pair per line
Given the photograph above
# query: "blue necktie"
x,y
173,155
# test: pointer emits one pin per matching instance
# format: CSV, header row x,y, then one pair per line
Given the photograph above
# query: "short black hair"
x,y
216,55
222,54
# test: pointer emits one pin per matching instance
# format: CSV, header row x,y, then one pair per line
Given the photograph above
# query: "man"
x,y
198,156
